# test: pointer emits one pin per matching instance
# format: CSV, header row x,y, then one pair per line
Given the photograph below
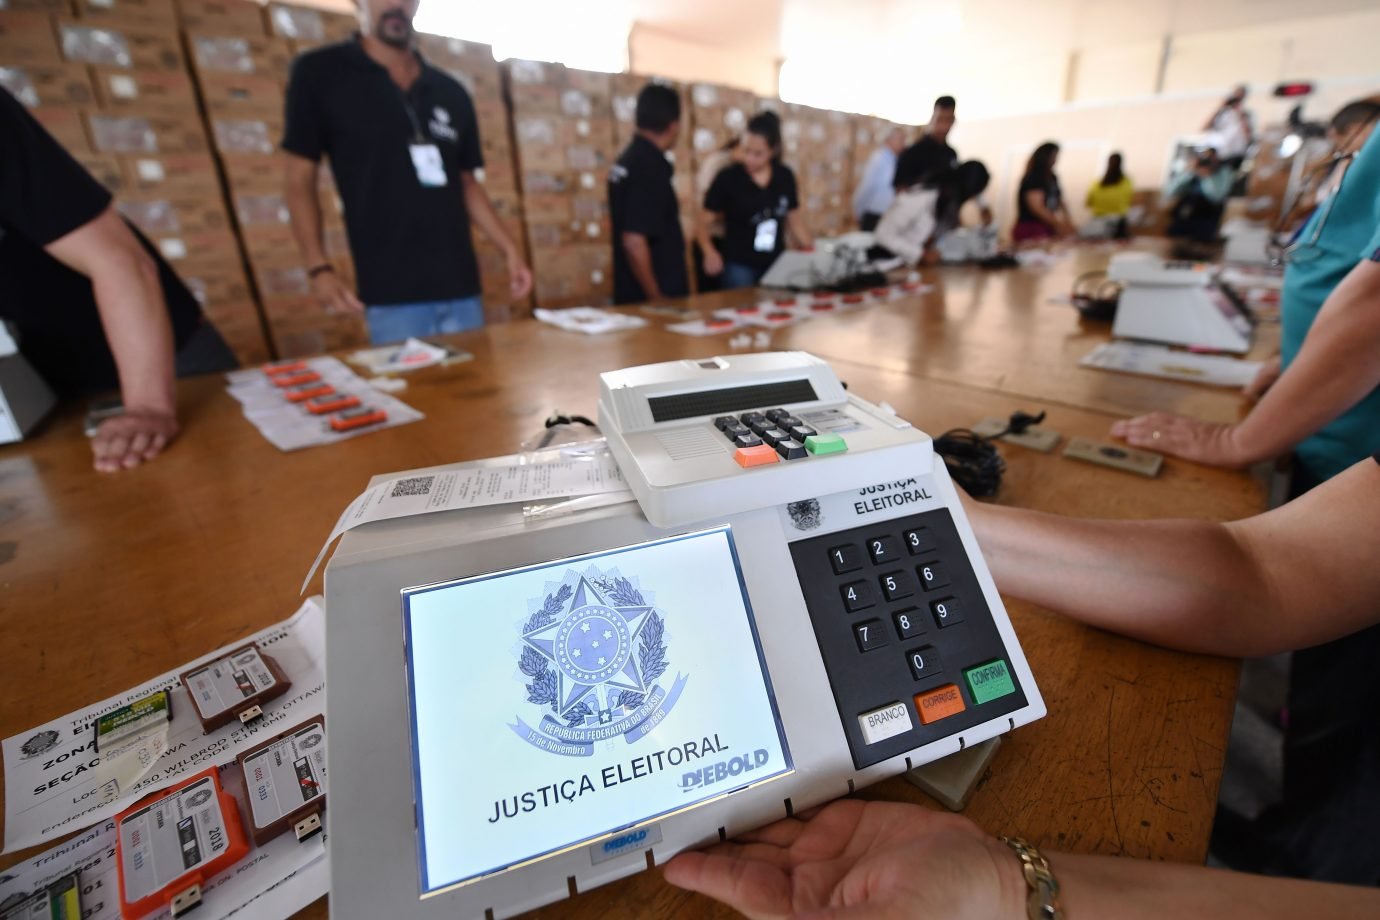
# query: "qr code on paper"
x,y
416,485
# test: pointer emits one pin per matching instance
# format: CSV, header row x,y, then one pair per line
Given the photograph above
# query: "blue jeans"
x,y
738,275
396,322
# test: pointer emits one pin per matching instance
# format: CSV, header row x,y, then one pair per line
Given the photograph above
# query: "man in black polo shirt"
x,y
93,305
403,142
931,154
648,245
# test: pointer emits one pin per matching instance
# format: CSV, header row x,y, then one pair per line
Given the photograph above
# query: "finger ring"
x,y
1154,435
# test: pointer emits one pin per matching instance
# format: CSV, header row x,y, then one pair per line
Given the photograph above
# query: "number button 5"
x,y
870,635
896,585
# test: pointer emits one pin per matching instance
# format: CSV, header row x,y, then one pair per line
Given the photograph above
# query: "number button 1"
x,y
908,623
870,635
947,612
882,549
845,559
924,661
857,596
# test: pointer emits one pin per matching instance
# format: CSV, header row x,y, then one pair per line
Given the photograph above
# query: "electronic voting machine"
x,y
1178,303
526,707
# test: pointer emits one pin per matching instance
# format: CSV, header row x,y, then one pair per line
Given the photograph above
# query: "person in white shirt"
x,y
875,193
1230,129
922,211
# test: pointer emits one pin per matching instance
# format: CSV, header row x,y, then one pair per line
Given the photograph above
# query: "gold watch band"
x,y
1043,902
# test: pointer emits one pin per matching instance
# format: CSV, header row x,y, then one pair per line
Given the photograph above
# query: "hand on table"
x,y
860,859
1190,438
334,294
137,436
1264,378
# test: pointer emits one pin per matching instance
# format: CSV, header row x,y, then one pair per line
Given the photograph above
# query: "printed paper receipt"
x,y
474,487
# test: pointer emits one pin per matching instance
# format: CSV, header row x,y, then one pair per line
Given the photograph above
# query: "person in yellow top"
x,y
1109,199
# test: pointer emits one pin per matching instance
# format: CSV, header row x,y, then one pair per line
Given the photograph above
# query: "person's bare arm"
x,y
640,261
304,210
482,213
1295,576
1035,201
134,315
713,261
797,232
1337,366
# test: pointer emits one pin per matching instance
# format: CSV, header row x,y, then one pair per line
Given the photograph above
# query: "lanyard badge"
x,y
431,169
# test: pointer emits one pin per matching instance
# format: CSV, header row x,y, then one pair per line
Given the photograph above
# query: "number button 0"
x,y
924,661
919,540
845,559
908,624
933,575
857,596
870,635
896,585
882,549
947,612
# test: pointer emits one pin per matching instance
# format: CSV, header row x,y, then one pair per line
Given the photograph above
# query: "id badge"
x,y
765,240
431,170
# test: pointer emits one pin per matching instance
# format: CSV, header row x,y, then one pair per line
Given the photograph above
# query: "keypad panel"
x,y
901,621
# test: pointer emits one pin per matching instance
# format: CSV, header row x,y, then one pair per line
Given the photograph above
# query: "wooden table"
x,y
108,581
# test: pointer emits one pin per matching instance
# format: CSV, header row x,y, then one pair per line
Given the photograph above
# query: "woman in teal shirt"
x,y
1321,397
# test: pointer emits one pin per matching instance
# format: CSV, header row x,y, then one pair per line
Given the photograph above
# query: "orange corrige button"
x,y
939,703
755,456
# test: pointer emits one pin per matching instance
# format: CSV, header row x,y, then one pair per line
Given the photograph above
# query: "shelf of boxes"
x,y
563,129
818,146
241,67
626,86
474,66
109,80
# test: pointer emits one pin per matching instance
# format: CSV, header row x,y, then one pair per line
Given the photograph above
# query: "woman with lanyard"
x,y
1321,399
756,201
1040,210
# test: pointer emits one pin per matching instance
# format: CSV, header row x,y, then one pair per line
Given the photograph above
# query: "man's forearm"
x,y
304,212
482,213
134,315
640,261
1338,365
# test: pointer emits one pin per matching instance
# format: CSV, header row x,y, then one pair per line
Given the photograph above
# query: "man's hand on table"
x,y
137,436
860,859
1209,443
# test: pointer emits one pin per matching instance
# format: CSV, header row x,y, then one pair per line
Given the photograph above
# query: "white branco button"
x,y
884,723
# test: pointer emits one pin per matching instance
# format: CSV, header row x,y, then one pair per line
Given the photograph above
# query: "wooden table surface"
x,y
107,581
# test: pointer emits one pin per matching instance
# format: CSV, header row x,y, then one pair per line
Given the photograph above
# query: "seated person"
x,y
858,859
1109,200
921,212
93,303
1197,198
1040,210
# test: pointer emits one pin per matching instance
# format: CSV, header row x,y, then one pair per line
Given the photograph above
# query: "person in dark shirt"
x,y
648,244
1040,210
931,153
403,142
757,201
93,305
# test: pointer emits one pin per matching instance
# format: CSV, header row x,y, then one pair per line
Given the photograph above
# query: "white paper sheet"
x,y
1164,362
589,320
56,784
476,485
275,880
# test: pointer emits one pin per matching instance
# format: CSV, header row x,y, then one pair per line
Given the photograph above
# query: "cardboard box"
x,y
55,7
128,47
197,247
234,95
159,214
534,73
246,135
171,174
105,169
49,84
160,14
215,281
240,54
28,38
445,53
152,89
143,132
312,333
221,17
268,243
67,127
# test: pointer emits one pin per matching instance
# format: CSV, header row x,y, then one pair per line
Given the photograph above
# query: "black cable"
x,y
973,460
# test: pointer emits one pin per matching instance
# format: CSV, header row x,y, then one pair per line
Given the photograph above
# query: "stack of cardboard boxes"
x,y
819,147
109,80
563,126
626,86
718,113
241,66
474,66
